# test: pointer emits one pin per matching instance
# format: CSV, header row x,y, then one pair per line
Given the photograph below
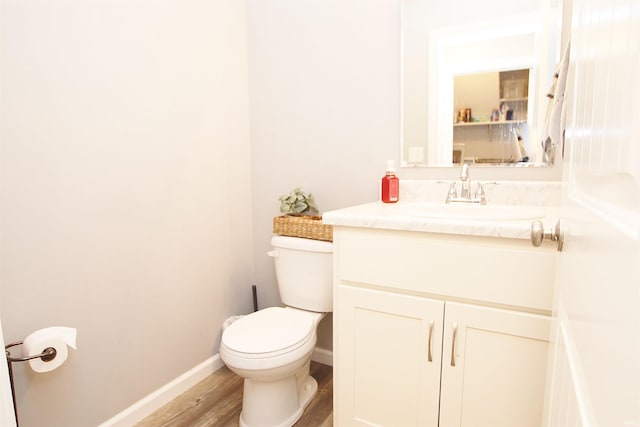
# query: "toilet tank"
x,y
304,271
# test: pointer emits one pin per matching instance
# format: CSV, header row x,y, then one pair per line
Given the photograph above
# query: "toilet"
x,y
271,348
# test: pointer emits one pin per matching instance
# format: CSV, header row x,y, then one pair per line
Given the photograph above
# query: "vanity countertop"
x,y
511,208
474,220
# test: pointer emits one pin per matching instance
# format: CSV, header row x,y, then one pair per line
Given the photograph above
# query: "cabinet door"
x,y
493,367
388,360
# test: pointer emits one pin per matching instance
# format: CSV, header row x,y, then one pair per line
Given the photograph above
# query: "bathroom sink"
x,y
471,211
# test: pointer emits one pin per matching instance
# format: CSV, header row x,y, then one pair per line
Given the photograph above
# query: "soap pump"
x,y
390,184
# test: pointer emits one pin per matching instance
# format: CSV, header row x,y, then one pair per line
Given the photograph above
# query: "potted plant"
x,y
298,202
301,217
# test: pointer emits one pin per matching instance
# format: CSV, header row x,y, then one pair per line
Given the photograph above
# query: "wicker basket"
x,y
309,227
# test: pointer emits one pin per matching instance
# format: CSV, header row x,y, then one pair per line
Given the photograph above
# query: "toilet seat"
x,y
269,333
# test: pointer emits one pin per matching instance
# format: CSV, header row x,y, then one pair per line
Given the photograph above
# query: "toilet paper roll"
x,y
57,337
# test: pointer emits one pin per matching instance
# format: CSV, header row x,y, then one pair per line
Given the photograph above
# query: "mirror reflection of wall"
x,y
490,112
441,41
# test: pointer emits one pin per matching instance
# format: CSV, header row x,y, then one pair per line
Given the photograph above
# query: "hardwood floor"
x,y
217,401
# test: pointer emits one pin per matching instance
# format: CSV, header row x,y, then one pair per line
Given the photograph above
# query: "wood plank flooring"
x,y
217,401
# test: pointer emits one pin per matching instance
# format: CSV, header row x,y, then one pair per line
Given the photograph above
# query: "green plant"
x,y
298,202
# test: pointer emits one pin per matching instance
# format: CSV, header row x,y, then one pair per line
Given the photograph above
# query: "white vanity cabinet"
x,y
493,367
439,330
389,358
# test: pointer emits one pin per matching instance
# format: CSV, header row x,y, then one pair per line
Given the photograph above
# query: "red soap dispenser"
x,y
390,184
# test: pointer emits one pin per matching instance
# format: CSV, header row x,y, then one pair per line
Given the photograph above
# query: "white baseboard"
x,y
165,394
322,355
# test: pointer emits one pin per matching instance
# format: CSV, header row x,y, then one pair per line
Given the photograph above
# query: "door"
x,y
493,367
7,417
596,365
388,364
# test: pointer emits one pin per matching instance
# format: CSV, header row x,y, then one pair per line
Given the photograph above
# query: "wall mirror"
x,y
475,80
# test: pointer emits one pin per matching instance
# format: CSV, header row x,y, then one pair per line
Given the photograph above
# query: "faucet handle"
x,y
480,193
452,193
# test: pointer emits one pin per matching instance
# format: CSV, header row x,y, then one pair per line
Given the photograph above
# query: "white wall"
x,y
125,193
324,85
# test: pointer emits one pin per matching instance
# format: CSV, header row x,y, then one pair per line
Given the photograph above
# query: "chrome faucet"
x,y
465,182
465,190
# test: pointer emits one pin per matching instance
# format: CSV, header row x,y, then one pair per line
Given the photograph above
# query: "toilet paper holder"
x,y
47,355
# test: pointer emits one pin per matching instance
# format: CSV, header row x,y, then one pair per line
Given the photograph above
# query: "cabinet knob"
x,y
538,234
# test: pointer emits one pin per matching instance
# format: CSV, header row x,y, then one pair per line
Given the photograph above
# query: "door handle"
x,y
538,234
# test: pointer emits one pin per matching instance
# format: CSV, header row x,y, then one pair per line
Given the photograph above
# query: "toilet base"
x,y
277,404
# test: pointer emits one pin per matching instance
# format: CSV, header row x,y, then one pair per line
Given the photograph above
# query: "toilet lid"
x,y
270,330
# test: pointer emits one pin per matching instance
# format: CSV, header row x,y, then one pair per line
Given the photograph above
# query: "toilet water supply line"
x,y
254,291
